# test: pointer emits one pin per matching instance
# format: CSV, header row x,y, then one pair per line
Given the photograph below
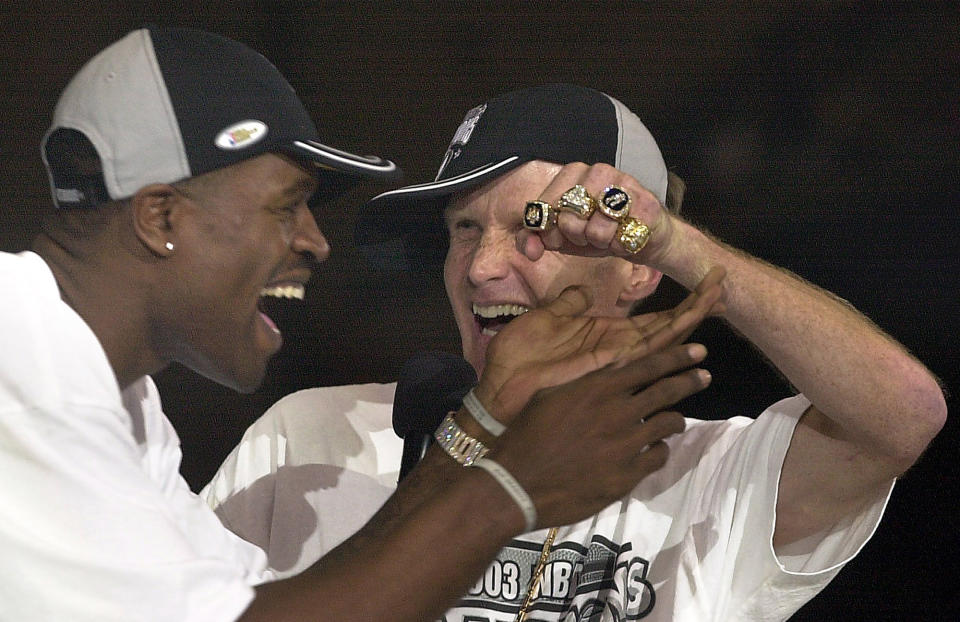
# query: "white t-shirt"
x,y
692,542
95,521
310,472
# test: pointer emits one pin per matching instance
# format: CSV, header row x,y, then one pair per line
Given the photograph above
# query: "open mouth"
x,y
275,300
492,318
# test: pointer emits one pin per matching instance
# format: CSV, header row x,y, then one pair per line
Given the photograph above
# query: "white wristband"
x,y
480,414
513,488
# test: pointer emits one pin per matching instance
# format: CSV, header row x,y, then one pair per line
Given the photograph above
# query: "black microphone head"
x,y
430,385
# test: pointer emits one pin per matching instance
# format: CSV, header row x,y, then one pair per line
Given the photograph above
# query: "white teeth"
x,y
492,311
284,291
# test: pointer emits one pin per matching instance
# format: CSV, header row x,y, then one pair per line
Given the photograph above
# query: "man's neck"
x,y
105,296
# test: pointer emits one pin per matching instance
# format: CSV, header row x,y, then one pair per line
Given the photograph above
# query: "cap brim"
x,y
402,229
451,185
332,159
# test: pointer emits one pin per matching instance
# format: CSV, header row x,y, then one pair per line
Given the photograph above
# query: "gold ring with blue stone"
x,y
615,203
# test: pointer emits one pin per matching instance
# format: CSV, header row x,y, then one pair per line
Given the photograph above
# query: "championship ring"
x,y
615,203
633,235
539,216
578,201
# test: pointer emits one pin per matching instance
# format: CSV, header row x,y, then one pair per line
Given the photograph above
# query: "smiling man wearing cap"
x,y
749,518
181,164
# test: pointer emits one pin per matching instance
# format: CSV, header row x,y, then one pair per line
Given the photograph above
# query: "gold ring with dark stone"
x,y
539,216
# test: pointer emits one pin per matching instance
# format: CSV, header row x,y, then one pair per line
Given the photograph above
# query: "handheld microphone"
x,y
431,384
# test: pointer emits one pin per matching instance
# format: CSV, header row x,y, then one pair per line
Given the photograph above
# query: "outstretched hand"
x,y
577,447
556,343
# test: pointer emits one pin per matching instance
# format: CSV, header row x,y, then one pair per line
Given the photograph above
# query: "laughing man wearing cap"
x,y
557,185
181,164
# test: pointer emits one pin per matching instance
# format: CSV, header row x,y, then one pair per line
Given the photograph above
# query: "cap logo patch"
x,y
241,135
462,136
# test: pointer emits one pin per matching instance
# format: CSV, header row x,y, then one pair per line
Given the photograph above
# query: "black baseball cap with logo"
x,y
403,229
165,103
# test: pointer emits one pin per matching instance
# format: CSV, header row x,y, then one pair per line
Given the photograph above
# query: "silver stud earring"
x,y
169,246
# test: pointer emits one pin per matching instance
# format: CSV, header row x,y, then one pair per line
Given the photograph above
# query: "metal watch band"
x,y
461,446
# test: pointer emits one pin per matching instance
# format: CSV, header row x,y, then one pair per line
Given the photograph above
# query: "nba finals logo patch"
x,y
241,135
462,137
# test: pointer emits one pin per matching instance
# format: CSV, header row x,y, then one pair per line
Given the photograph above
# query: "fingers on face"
x,y
648,324
644,335
669,328
573,300
645,320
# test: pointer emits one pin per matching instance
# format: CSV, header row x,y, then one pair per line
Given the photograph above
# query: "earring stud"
x,y
169,246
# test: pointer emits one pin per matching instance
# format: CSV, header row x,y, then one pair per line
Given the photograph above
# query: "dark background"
x,y
820,136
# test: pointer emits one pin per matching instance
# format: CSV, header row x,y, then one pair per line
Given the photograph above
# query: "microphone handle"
x,y
414,446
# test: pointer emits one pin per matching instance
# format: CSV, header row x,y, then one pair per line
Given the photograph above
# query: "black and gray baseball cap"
x,y
403,230
164,104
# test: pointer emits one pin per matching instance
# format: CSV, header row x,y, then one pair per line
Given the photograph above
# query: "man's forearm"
x,y
851,371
